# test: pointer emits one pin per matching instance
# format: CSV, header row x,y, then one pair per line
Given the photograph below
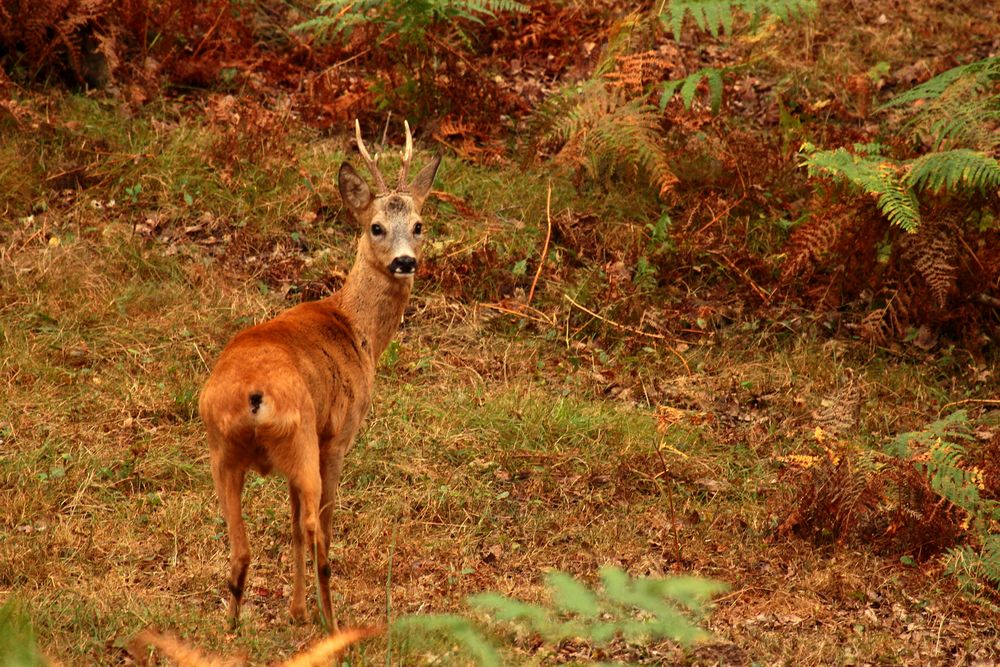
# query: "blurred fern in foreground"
x,y
18,645
636,609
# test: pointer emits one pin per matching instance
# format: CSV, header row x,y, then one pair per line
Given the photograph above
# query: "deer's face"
x,y
391,227
393,235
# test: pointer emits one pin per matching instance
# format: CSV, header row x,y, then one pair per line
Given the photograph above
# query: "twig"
x,y
538,315
670,500
210,31
639,332
765,297
979,401
545,247
718,217
447,47
343,62
385,132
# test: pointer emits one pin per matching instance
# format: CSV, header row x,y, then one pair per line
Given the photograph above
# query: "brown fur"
x,y
290,394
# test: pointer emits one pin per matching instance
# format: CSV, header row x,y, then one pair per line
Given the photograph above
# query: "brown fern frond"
x,y
65,34
813,239
933,252
875,327
634,71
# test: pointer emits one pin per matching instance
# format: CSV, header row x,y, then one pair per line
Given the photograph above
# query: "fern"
x,y
977,570
688,87
982,72
896,183
419,629
716,16
591,128
18,643
960,169
877,176
939,454
637,609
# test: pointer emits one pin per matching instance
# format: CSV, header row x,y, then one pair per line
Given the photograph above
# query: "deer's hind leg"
x,y
229,482
305,486
297,607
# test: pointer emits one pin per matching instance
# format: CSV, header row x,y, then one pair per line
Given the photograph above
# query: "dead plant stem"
x,y
669,481
545,246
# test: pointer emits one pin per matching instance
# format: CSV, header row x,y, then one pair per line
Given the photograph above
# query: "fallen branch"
x,y
629,329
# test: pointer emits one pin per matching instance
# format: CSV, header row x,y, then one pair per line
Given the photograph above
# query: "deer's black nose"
x,y
404,265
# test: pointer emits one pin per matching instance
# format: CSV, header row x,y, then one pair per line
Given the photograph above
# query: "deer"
x,y
291,393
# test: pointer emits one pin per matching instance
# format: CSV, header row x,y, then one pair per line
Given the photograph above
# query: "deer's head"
x,y
391,228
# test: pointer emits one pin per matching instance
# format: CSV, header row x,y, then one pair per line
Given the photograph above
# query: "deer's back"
x,y
307,367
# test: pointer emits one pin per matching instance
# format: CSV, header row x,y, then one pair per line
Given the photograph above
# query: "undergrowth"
x,y
928,493
939,265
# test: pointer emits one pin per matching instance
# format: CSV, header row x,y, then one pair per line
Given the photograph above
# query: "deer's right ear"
x,y
353,189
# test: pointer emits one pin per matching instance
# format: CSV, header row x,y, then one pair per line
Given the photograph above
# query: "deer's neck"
x,y
375,303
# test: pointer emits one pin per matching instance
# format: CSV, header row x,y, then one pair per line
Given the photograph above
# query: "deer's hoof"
x,y
298,611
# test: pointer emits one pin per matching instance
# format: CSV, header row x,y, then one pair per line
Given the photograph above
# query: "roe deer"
x,y
291,393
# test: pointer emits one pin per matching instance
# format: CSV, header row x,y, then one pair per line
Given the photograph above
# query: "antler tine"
x,y
369,160
404,168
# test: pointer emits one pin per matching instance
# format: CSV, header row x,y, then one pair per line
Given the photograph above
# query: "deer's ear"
x,y
353,189
421,185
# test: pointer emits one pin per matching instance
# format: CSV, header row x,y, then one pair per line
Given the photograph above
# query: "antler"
x,y
370,161
407,156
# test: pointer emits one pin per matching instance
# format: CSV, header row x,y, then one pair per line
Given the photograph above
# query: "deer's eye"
x,y
417,228
377,230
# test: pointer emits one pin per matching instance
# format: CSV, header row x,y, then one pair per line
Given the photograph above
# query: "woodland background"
x,y
712,289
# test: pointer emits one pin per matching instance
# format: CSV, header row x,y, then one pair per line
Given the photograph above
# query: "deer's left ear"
x,y
421,185
353,189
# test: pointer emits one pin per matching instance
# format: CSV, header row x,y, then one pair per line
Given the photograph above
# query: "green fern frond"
x,y
421,629
635,608
943,455
955,426
876,175
977,570
688,87
964,115
716,16
983,72
954,170
938,453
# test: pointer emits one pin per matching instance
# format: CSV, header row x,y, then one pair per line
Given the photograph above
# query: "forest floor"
x,y
505,441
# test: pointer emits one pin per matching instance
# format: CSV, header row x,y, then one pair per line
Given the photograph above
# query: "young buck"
x,y
291,393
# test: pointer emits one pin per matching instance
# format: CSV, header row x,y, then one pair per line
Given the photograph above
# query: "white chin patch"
x,y
400,274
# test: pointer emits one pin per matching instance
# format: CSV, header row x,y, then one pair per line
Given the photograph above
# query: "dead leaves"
x,y
470,142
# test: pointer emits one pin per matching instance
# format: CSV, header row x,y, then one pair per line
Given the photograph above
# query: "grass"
x,y
499,448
